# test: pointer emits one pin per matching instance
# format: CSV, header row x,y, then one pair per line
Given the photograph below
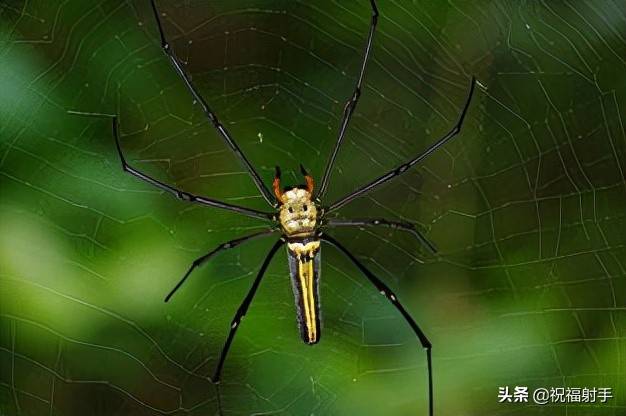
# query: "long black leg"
x,y
243,308
185,196
224,246
404,167
350,104
385,291
210,114
397,225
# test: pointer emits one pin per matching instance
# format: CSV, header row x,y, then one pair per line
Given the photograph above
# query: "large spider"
x,y
299,214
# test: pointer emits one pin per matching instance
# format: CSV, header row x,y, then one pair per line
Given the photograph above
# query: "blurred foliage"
x,y
527,205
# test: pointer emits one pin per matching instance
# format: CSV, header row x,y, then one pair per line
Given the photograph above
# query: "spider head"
x,y
297,211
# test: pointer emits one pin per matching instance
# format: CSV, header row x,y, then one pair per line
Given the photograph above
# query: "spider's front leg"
x,y
209,113
350,105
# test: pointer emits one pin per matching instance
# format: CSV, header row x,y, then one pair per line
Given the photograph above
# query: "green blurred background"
x,y
527,206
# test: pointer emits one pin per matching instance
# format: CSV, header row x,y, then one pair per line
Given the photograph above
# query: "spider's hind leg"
x,y
243,308
388,293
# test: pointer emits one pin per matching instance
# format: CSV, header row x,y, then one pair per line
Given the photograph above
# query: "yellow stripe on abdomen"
x,y
305,274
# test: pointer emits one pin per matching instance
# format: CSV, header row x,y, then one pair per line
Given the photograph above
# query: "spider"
x,y
299,214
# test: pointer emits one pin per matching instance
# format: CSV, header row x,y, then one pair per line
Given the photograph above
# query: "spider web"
x,y
527,206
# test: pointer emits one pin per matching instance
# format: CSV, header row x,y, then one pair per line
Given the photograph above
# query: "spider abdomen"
x,y
304,269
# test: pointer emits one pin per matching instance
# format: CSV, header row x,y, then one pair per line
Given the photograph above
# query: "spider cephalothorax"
x,y
297,212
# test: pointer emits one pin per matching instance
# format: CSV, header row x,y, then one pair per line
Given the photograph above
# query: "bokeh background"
x,y
527,206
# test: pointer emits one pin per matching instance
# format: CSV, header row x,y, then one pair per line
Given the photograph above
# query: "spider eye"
x,y
304,207
290,210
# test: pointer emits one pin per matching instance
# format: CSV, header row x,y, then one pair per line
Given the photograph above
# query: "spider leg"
x,y
350,104
224,246
243,308
210,114
398,225
404,167
185,196
385,291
